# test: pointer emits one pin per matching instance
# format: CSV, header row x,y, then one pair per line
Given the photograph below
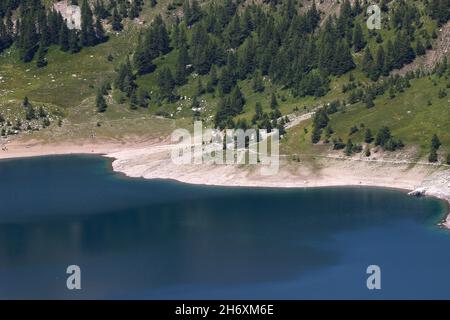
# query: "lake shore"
x,y
151,160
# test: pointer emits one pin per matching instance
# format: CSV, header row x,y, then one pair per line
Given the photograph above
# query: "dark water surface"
x,y
134,238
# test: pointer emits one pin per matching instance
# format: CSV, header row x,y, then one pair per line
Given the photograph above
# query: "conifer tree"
x,y
64,38
273,101
88,37
181,66
74,45
258,85
100,102
116,21
166,83
367,62
358,38
237,101
99,32
28,42
143,58
41,60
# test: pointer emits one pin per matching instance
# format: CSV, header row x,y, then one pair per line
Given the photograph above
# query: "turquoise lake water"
x,y
153,239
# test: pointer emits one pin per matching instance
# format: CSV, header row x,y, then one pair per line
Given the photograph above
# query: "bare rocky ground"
x,y
440,50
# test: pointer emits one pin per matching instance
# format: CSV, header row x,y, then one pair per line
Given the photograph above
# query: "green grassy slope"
x,y
69,83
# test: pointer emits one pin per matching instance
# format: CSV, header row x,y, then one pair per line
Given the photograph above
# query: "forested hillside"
x,y
237,64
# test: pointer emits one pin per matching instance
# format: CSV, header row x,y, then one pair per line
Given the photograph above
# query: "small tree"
x,y
368,137
273,101
316,134
349,148
433,157
133,101
448,159
368,100
142,97
258,85
30,114
435,142
45,122
200,89
100,102
116,21
41,60
26,102
42,113
367,152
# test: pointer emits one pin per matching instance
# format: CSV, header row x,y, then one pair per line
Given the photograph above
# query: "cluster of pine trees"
x,y
439,10
231,43
37,27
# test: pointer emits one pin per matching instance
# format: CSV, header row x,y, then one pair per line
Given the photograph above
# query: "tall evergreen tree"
x,y
74,42
88,37
181,66
116,21
41,60
64,38
100,102
166,83
28,42
358,38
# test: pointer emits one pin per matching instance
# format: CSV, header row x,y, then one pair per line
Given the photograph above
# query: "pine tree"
x,y
41,60
273,101
100,102
368,138
125,78
28,41
420,49
142,97
358,38
368,100
258,113
202,49
74,45
226,81
116,21
25,102
237,100
367,62
258,85
181,66
88,37
134,11
43,29
64,38
200,89
213,75
134,101
349,148
435,142
166,83
29,113
379,65
143,59
343,59
433,157
99,32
